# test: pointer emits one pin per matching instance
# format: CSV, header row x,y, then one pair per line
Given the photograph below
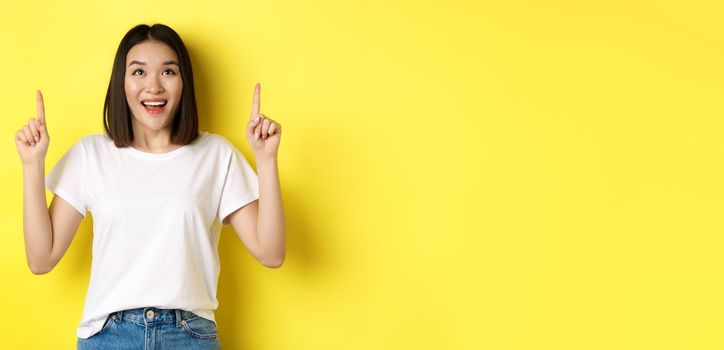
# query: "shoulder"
x,y
94,139
93,142
223,148
218,142
216,139
86,142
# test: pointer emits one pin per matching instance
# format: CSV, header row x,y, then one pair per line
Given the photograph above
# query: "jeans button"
x,y
149,314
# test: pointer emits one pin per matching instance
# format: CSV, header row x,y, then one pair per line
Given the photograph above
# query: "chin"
x,y
153,123
156,125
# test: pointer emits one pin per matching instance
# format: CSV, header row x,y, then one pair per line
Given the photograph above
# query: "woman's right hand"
x,y
32,140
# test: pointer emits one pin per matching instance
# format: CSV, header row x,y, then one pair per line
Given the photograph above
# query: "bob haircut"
x,y
117,113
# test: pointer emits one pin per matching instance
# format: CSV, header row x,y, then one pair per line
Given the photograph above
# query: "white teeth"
x,y
160,103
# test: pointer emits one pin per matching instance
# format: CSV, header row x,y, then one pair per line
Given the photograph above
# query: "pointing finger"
x,y
40,106
256,102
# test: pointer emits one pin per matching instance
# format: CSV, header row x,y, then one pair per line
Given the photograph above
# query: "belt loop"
x,y
178,318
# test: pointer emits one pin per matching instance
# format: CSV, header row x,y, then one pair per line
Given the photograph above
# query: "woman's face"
x,y
153,85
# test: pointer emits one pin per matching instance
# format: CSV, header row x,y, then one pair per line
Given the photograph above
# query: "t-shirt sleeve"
x,y
67,179
241,186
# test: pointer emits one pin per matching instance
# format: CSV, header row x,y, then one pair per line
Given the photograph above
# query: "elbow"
x,y
39,269
273,263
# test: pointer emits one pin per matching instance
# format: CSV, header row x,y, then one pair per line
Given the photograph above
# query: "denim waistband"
x,y
148,315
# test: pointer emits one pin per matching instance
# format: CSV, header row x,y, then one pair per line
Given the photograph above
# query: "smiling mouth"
x,y
152,104
154,107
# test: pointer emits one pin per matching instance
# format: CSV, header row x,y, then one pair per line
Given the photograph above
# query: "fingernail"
x,y
257,118
257,136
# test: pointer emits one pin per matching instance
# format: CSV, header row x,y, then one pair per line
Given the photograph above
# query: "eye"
x,y
170,70
136,71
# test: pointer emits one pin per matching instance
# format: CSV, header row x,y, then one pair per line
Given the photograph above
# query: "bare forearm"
x,y
270,222
38,231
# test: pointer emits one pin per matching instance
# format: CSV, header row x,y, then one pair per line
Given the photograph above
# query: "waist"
x,y
147,315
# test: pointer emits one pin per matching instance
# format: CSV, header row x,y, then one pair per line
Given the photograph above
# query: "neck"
x,y
152,141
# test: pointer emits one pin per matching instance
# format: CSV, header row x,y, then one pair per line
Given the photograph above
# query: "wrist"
x,y
266,160
34,164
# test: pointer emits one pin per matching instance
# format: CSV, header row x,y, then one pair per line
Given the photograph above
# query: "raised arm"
x,y
47,232
260,224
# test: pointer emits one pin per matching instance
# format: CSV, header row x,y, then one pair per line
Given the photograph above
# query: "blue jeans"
x,y
153,329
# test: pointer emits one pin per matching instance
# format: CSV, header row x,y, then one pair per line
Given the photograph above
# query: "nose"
x,y
154,86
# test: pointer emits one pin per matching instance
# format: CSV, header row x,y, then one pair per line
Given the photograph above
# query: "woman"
x,y
159,192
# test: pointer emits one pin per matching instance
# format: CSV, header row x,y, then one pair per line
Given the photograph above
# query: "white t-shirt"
x,y
156,221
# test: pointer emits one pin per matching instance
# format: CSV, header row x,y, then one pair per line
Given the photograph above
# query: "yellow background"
x,y
456,175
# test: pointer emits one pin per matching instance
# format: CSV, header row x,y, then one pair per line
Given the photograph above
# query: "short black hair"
x,y
117,113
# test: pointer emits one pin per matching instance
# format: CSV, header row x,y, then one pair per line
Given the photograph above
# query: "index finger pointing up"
x,y
256,101
40,106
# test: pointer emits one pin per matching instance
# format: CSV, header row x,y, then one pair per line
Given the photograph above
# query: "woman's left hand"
x,y
263,133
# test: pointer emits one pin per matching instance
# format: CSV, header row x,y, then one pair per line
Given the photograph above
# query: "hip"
x,y
152,328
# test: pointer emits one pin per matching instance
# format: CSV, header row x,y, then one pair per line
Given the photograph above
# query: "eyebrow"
x,y
144,63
